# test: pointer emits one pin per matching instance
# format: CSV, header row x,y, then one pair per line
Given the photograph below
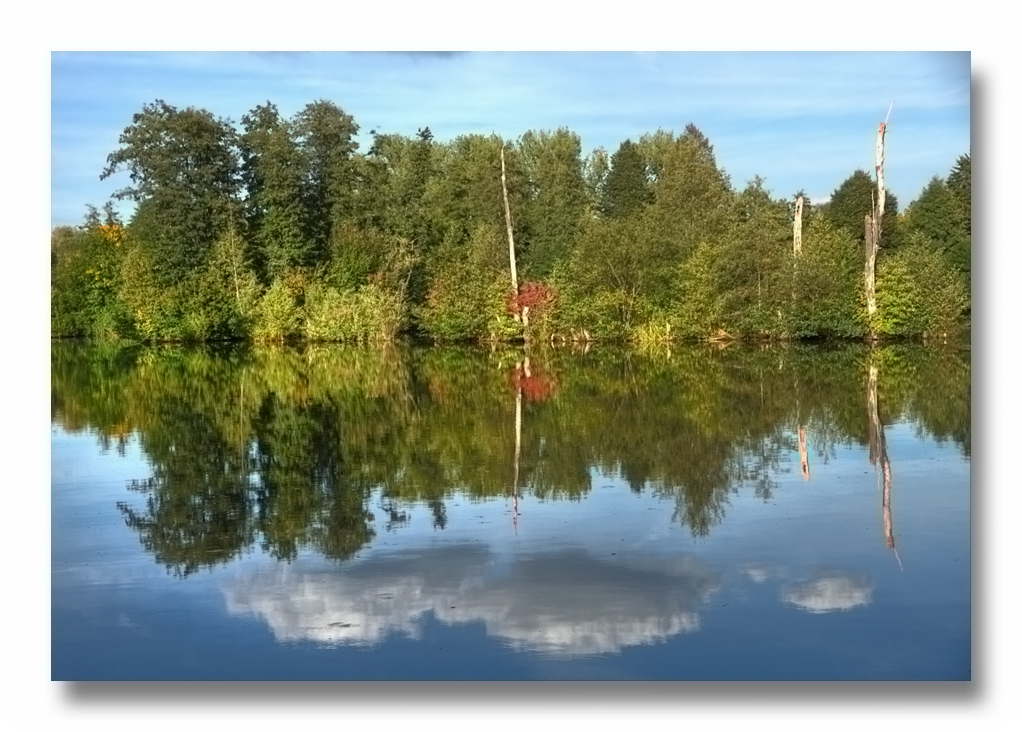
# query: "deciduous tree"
x,y
184,172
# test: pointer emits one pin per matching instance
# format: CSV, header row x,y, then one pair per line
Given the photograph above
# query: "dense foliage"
x,y
282,230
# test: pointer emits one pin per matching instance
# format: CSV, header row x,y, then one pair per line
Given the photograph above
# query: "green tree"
x,y
405,168
626,188
605,284
942,215
184,171
86,278
594,170
827,284
325,135
557,203
693,199
466,192
409,164
468,297
275,207
853,199
919,292
959,181
753,288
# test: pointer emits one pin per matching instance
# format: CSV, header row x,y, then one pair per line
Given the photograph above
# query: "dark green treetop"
x,y
184,172
626,188
853,199
557,200
272,172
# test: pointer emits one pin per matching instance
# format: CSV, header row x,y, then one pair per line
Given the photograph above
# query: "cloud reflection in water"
x,y
830,591
567,603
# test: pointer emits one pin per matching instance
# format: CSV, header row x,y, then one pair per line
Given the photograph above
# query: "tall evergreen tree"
x,y
594,172
940,219
275,211
557,202
325,135
960,183
853,199
626,188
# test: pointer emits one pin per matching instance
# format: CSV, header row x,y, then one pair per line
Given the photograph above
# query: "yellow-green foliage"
x,y
469,292
918,293
85,279
213,302
699,311
654,332
368,314
278,315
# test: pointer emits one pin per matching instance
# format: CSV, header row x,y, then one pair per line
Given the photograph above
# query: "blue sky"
x,y
798,120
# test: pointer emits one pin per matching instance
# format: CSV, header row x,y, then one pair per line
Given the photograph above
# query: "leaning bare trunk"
x,y
510,233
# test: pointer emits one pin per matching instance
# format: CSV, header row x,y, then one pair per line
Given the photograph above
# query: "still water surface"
x,y
793,513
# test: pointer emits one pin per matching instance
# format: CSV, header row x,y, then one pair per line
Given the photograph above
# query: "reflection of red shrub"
x,y
536,386
532,295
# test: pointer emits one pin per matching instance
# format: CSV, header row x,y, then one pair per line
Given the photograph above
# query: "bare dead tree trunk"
x,y
874,222
872,247
510,231
797,238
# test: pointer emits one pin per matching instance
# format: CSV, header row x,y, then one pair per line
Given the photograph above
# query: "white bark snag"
x,y
797,241
874,222
510,230
872,247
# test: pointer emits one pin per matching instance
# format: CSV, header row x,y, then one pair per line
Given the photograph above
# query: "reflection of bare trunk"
x,y
518,435
888,525
518,443
878,453
803,451
875,428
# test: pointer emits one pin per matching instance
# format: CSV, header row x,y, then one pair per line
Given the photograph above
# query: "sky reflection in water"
x,y
367,526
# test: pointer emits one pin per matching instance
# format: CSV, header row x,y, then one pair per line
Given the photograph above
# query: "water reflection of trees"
x,y
283,448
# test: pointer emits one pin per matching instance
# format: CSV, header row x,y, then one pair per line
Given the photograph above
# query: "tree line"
x,y
281,229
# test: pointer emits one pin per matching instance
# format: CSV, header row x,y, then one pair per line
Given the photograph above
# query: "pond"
x,y
425,513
